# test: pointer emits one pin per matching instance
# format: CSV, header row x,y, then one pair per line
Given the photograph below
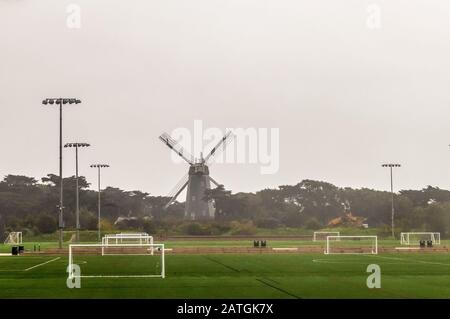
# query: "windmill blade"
x,y
223,142
181,185
213,181
174,198
172,144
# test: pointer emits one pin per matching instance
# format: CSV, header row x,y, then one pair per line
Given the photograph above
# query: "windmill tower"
x,y
197,180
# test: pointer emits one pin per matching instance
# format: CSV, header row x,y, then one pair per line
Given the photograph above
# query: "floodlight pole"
x,y
60,102
99,205
391,166
392,204
99,167
77,195
77,198
61,188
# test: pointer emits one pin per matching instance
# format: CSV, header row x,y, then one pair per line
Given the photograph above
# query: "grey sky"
x,y
346,98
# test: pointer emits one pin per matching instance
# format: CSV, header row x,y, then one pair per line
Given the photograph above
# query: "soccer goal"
x,y
14,238
116,261
351,245
322,235
414,238
127,238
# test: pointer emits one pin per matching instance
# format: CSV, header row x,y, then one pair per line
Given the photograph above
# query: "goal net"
x,y
116,261
351,245
414,238
127,238
14,238
322,235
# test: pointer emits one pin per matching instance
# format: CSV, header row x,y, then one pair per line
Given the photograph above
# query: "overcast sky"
x,y
345,96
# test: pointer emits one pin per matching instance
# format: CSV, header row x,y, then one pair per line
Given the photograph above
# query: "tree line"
x,y
30,205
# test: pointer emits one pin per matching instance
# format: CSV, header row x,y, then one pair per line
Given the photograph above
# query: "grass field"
x,y
405,275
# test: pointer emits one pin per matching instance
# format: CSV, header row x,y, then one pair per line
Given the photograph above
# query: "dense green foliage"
x,y
31,206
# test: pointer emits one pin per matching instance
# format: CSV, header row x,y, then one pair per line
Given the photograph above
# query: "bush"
x,y
46,224
269,222
149,227
243,228
313,224
88,221
105,225
195,229
219,228
29,232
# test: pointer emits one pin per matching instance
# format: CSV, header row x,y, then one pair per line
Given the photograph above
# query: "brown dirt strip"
x,y
226,238
236,250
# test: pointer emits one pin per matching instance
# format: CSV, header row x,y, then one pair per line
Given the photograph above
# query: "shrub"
x,y
216,228
88,220
105,225
149,227
313,224
46,224
269,222
195,229
243,228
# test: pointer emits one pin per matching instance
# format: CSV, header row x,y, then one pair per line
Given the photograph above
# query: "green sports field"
x,y
403,275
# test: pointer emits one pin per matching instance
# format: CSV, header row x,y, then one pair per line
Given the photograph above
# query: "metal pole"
x,y
99,236
163,273
77,197
393,209
61,204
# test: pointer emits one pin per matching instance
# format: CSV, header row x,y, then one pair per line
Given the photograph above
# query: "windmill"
x,y
197,180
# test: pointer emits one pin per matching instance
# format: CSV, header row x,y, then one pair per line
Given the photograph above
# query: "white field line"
x,y
411,260
42,264
324,261
118,276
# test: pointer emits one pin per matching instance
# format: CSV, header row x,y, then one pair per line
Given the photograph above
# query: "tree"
x,y
19,181
313,224
27,203
2,229
46,224
228,207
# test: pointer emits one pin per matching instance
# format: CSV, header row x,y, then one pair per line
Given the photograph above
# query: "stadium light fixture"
x,y
391,167
99,167
77,210
60,102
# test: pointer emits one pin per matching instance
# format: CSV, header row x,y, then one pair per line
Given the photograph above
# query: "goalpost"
x,y
322,235
411,238
117,261
351,245
14,238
